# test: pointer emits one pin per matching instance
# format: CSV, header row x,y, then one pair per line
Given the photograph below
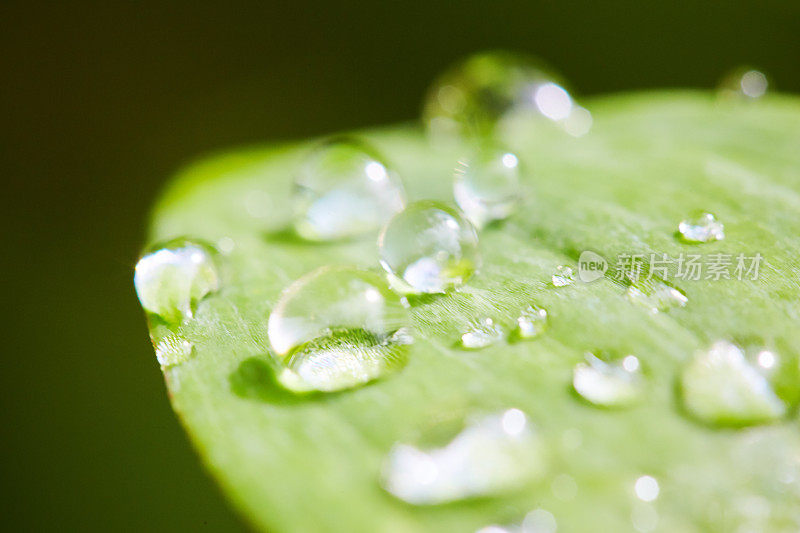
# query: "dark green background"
x,y
99,104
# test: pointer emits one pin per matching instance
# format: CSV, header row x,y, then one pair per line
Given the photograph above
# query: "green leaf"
x,y
313,462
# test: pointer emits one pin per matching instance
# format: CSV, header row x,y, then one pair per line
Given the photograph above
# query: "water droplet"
x,y
563,276
579,122
656,295
226,245
493,454
721,387
539,521
338,327
482,333
644,517
744,83
170,280
532,322
428,248
766,359
486,185
475,96
608,384
646,488
701,228
172,349
344,189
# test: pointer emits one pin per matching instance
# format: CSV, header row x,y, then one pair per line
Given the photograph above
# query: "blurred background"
x,y
101,102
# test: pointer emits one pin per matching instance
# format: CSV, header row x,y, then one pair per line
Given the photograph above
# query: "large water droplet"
x,y
721,387
744,83
563,276
428,248
473,97
655,295
344,189
491,455
338,327
703,227
608,384
531,323
482,333
486,185
172,278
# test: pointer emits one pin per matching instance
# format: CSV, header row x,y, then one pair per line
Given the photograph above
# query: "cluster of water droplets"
x,y
340,327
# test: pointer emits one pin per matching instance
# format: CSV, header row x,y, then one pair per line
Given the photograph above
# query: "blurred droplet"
x,y
486,185
646,488
539,521
475,96
428,248
744,83
172,278
532,322
608,384
172,349
703,227
344,189
481,333
492,455
655,295
563,276
721,387
336,328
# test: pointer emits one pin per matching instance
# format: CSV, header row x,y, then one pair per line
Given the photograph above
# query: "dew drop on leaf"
x,y
720,386
563,276
428,248
608,383
744,84
336,328
531,322
702,227
656,296
481,333
486,185
491,455
344,189
174,276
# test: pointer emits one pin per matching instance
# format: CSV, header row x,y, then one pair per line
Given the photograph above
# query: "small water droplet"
x,y
579,122
173,349
656,295
532,322
766,359
721,387
474,97
608,384
226,245
493,454
482,333
701,228
563,276
646,488
172,278
428,248
744,83
486,185
644,517
336,328
344,189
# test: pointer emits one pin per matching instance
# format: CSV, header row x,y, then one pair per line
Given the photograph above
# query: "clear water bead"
x,y
172,349
172,278
482,333
486,185
338,327
656,296
475,96
608,384
532,322
344,189
701,228
721,387
563,276
428,248
492,455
